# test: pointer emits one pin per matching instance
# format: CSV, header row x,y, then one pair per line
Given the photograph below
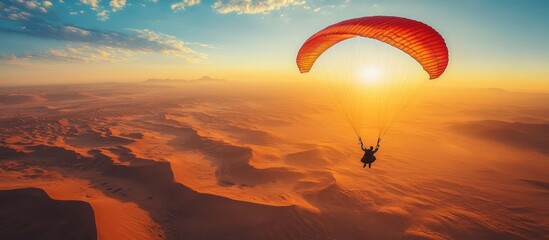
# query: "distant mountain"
x,y
209,79
204,79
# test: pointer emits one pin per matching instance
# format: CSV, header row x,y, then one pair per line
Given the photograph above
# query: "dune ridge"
x,y
515,134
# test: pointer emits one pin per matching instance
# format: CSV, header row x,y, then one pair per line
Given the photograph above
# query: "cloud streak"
x,y
117,4
137,41
29,20
73,53
253,6
102,13
18,10
183,4
93,3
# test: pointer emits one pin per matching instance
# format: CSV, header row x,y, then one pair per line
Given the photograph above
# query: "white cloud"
x,y
103,15
27,9
77,31
19,10
117,4
184,3
253,6
76,13
19,16
22,8
47,4
204,45
171,45
92,3
73,53
32,22
32,4
143,41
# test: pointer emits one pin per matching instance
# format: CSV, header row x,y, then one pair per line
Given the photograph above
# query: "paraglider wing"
x,y
417,39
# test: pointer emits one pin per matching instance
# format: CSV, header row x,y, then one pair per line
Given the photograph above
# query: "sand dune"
x,y
541,185
116,216
11,99
174,198
232,163
314,158
65,96
514,134
96,139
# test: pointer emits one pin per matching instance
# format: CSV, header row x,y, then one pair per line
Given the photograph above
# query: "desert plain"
x,y
213,159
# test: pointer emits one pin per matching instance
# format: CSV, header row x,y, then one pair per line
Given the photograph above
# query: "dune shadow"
x,y
232,162
29,213
542,185
516,134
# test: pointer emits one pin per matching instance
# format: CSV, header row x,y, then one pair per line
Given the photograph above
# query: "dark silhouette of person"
x,y
369,156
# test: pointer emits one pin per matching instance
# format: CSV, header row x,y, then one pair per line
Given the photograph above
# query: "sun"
x,y
370,74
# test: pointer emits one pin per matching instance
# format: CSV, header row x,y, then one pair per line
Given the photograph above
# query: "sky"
x,y
492,44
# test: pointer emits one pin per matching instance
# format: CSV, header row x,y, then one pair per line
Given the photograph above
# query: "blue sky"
x,y
253,39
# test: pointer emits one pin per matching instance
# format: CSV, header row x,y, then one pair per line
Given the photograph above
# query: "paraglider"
x,y
369,156
356,98
417,39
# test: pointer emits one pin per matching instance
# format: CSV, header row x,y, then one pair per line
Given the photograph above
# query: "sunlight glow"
x,y
370,74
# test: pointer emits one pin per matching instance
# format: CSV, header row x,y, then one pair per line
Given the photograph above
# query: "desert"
x,y
162,161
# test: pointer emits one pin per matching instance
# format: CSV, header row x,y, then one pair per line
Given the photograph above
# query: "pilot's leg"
x,y
369,165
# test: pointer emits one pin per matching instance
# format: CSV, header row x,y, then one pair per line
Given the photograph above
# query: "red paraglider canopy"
x,y
417,39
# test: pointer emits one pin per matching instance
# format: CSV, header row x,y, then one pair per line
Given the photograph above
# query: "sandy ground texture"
x,y
229,160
